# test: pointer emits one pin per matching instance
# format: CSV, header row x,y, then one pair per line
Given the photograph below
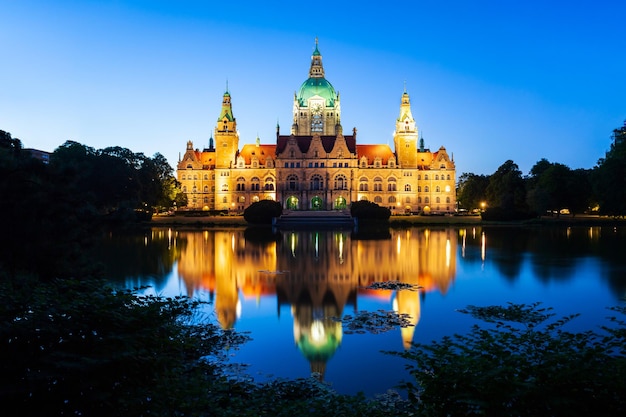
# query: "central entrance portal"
x,y
340,203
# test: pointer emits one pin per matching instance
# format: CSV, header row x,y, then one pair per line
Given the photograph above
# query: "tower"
x,y
226,147
226,136
406,135
316,107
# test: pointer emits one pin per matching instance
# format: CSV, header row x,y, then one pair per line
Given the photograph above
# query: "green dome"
x,y
317,86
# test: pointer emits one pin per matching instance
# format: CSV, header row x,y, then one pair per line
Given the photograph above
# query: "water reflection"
x,y
318,275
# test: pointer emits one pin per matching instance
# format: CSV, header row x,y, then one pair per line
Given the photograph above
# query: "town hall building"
x,y
316,166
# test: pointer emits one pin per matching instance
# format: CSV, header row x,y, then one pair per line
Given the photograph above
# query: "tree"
x,y
609,177
549,187
472,190
506,188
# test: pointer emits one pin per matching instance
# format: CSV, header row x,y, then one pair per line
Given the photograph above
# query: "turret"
x,y
406,134
226,135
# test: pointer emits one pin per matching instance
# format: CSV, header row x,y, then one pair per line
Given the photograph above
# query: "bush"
x,y
367,210
523,363
262,212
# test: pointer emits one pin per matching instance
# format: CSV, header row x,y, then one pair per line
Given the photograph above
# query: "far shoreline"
x,y
399,221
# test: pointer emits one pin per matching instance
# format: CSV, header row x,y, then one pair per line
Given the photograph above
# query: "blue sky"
x,y
489,80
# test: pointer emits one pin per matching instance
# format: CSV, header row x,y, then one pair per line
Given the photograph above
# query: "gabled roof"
x,y
372,152
261,151
304,142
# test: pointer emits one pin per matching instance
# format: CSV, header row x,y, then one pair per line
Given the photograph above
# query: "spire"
x,y
317,70
227,110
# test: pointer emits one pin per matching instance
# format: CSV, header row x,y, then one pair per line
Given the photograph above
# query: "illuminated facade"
x,y
316,166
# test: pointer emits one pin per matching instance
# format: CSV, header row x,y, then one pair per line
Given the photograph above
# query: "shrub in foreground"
x,y
521,364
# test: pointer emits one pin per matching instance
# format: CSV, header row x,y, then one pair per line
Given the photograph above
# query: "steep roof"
x,y
304,142
261,151
372,152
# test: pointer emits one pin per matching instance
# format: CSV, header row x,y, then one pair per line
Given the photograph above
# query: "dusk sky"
x,y
489,80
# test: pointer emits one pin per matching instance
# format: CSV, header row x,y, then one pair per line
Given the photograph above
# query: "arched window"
x,y
184,188
224,187
269,184
292,183
437,189
241,184
448,177
317,124
340,182
426,200
378,184
437,200
317,182
392,199
378,199
437,177
206,177
426,188
242,199
391,184
206,188
224,199
407,200
425,176
195,189
448,200
363,184
183,177
419,200
407,187
256,184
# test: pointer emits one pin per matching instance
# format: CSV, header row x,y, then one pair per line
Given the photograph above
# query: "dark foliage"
x,y
520,364
609,177
366,210
262,212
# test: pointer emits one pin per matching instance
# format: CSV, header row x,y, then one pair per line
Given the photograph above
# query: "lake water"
x,y
285,288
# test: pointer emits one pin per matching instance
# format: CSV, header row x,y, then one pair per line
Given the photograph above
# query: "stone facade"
x,y
316,166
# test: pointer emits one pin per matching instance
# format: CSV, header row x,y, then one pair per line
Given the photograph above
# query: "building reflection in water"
x,y
317,274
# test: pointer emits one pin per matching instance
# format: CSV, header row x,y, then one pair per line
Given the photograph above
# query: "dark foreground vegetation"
x,y
72,345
